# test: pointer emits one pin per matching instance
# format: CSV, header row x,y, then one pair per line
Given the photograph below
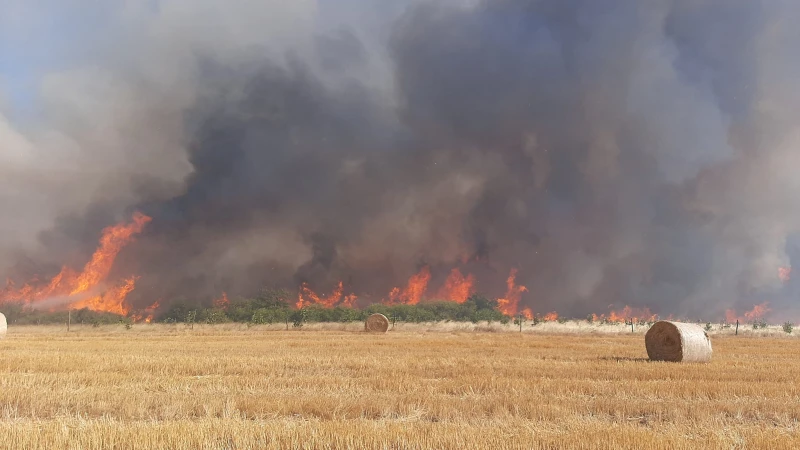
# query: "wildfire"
x,y
113,300
785,274
308,297
550,317
87,289
457,288
627,314
758,312
147,314
510,303
349,300
414,290
222,302
527,313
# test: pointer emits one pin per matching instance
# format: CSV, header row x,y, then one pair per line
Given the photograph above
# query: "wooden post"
x,y
737,327
631,325
519,317
69,318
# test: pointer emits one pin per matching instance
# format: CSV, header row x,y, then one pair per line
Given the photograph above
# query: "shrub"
x,y
788,327
214,315
270,315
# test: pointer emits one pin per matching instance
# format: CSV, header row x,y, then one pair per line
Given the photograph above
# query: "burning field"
x,y
178,176
558,158
92,289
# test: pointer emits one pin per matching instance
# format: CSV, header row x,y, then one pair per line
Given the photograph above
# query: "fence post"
x,y
737,327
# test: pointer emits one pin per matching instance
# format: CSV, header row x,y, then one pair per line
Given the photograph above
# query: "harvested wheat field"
x,y
230,387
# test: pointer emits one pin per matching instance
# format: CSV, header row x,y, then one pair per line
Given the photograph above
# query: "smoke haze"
x,y
614,152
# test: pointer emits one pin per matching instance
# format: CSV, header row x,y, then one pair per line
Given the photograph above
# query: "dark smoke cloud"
x,y
615,152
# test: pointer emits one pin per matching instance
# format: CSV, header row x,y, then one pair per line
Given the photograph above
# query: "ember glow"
x,y
89,288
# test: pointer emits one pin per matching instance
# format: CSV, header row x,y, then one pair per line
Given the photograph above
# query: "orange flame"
x,y
627,314
509,304
307,296
414,290
80,289
527,314
550,317
758,311
150,311
349,300
113,300
785,274
222,302
457,288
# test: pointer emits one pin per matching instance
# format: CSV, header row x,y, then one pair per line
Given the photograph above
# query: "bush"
x,y
270,315
213,315
788,327
18,315
275,306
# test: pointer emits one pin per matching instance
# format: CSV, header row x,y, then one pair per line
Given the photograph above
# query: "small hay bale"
x,y
3,326
376,323
677,342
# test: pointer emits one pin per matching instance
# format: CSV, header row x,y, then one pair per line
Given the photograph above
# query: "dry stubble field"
x,y
230,387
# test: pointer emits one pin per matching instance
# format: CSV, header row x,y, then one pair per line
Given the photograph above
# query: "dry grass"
x,y
232,387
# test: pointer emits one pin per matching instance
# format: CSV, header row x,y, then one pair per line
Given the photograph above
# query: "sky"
x,y
37,38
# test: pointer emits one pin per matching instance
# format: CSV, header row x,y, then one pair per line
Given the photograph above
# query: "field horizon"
x,y
419,386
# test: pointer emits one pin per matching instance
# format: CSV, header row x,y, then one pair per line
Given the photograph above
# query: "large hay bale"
x,y
677,342
3,326
376,323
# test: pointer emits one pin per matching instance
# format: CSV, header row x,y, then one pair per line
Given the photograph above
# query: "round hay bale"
x,y
3,326
677,342
376,323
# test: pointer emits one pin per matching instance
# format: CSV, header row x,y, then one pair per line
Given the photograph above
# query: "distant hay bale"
x,y
376,323
677,342
3,326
